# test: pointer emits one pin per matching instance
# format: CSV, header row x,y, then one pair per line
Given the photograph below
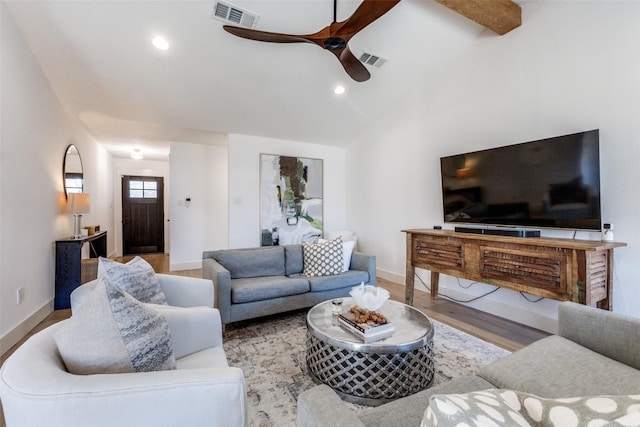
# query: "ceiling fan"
x,y
334,37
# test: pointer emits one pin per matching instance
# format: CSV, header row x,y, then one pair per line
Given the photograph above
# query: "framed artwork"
x,y
290,199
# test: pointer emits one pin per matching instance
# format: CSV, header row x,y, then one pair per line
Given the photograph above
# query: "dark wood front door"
x,y
142,215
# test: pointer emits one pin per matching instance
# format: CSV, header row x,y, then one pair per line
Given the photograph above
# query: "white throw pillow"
x,y
136,277
112,332
322,258
347,250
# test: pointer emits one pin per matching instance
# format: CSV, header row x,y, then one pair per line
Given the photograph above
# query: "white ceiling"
x,y
98,57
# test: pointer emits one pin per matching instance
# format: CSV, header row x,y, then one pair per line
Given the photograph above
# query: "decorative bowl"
x,y
369,297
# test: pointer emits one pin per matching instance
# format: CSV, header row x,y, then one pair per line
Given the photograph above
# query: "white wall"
x,y
123,167
199,172
35,132
572,66
244,184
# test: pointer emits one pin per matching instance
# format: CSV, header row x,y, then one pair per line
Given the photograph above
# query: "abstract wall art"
x,y
290,199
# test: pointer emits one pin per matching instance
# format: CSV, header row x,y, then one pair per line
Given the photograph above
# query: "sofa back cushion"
x,y
614,335
293,259
252,262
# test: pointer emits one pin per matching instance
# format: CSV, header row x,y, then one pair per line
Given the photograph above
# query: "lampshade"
x,y
79,203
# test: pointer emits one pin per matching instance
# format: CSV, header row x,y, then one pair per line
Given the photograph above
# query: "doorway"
x,y
142,214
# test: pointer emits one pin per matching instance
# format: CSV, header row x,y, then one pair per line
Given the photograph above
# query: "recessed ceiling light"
x,y
160,43
339,90
136,153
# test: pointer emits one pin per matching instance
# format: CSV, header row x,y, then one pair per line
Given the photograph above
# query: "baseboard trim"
x,y
193,265
392,277
14,336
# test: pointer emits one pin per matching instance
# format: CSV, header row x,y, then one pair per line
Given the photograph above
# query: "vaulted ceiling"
x,y
98,57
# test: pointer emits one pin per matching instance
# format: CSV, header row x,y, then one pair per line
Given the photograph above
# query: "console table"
x,y
69,264
560,269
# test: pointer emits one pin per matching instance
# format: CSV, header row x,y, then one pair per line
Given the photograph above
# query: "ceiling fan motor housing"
x,y
334,43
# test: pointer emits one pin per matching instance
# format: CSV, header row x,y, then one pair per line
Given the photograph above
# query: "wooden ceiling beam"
x,y
500,16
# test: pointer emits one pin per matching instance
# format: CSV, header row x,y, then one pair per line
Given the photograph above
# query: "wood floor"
x,y
501,332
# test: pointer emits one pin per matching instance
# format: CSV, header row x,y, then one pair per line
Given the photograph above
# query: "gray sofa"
x,y
256,282
596,352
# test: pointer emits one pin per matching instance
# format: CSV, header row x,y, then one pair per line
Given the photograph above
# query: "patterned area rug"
x,y
271,353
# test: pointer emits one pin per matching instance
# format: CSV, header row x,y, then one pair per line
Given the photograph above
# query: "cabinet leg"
x,y
409,283
435,279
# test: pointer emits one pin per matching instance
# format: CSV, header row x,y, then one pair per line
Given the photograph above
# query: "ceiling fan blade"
x,y
365,14
356,70
265,36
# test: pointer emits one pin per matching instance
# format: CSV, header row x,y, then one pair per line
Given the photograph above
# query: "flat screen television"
x,y
548,183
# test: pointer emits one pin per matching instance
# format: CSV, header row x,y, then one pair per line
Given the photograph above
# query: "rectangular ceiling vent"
x,y
234,15
374,60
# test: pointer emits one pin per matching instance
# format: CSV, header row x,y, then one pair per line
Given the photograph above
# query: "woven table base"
x,y
370,378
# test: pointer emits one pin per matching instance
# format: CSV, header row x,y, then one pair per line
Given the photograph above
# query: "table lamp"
x,y
79,203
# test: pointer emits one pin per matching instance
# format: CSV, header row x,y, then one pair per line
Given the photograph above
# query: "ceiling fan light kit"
x,y
334,38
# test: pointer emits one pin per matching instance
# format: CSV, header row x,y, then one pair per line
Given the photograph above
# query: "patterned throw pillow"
x,y
347,250
509,407
322,259
136,277
114,333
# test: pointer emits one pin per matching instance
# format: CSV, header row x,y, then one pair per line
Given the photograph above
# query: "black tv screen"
x,y
548,183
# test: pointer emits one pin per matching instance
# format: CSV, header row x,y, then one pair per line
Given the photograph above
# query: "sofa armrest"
x,y
616,336
191,397
184,291
363,262
192,329
320,406
221,278
36,390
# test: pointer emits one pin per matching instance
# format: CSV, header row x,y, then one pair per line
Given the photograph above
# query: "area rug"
x,y
271,353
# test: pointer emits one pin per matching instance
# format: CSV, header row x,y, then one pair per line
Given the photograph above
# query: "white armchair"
x,y
37,390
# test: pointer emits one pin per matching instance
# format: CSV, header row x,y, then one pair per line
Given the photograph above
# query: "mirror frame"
x,y
64,168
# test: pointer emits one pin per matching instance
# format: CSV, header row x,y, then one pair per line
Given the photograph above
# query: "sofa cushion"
x,y
137,278
323,258
293,259
263,288
511,407
326,283
557,367
252,262
112,332
212,357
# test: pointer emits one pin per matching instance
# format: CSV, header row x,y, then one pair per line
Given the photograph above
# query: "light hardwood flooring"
x,y
501,332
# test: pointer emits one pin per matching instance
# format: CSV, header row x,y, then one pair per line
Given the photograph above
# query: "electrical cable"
x,y
423,284
476,298
530,300
465,287
457,300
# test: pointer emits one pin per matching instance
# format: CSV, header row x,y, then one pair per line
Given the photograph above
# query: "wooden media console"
x,y
560,269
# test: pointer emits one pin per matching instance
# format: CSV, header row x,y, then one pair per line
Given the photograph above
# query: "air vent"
x,y
372,59
234,15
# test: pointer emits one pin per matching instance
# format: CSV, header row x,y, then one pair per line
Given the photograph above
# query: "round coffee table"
x,y
376,372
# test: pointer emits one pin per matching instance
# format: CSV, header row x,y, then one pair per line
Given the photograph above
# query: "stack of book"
x,y
368,331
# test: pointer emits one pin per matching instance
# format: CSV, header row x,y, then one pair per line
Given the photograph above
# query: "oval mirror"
x,y
72,171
